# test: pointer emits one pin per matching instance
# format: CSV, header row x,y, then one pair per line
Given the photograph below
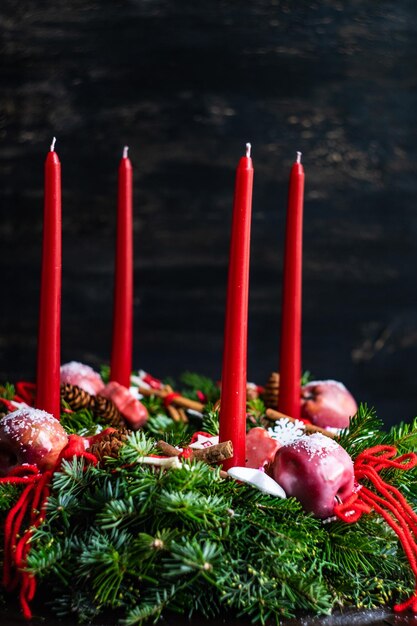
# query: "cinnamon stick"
x,y
167,449
271,414
181,401
211,455
214,454
183,415
177,415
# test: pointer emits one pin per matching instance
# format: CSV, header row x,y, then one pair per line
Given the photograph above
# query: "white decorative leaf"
x,y
257,479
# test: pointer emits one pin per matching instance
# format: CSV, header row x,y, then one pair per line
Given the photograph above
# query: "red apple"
x,y
260,448
327,403
316,470
82,376
134,412
30,436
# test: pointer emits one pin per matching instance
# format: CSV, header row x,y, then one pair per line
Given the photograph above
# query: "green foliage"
x,y
7,391
82,422
255,413
306,377
105,373
210,423
195,382
143,541
364,431
137,445
161,426
8,495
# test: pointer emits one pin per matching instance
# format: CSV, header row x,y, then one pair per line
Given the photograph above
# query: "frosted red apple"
x,y
30,436
316,470
327,403
82,376
260,448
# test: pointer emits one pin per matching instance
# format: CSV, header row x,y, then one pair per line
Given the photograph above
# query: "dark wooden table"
x,y
378,617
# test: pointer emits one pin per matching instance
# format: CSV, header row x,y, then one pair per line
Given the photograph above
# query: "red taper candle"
x,y
122,341
290,347
233,389
49,335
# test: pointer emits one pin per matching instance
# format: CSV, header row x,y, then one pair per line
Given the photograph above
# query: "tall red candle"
x,y
49,335
122,341
290,347
233,392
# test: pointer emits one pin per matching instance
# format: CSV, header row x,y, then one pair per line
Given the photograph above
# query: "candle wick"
x,y
125,152
299,157
53,144
248,149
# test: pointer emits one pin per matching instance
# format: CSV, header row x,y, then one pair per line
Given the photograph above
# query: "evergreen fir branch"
x,y
347,547
194,475
77,602
82,422
7,391
105,373
196,382
146,548
210,423
65,504
102,561
136,446
402,436
164,427
8,496
192,508
117,513
192,557
154,405
255,413
50,556
74,477
306,377
151,607
364,431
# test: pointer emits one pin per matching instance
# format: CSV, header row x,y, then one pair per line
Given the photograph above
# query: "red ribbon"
x,y
31,503
25,392
170,397
387,501
153,382
8,404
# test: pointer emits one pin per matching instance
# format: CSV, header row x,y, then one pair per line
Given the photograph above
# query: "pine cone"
x,y
105,408
76,397
271,392
109,445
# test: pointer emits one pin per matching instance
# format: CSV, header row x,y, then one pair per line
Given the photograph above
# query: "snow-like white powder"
x,y
316,445
75,368
20,420
336,383
82,375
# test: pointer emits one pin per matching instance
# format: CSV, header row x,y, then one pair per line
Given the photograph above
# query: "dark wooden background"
x,y
185,85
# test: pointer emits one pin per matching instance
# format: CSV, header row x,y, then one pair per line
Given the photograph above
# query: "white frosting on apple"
x,y
337,383
316,445
76,373
27,418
